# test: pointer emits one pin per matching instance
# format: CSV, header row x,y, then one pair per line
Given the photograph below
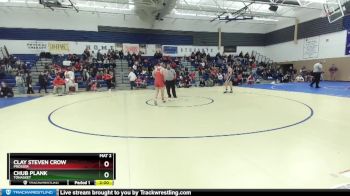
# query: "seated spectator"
x,y
71,86
58,85
99,56
94,57
5,91
134,67
140,82
209,82
299,78
286,78
108,78
91,85
251,79
85,75
202,82
158,55
78,67
220,79
99,75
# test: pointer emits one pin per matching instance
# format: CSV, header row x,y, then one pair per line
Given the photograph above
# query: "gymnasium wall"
x,y
342,63
67,25
329,46
272,40
87,21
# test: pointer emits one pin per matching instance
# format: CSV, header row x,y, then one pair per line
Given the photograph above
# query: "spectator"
x,y
29,82
99,56
158,55
246,56
20,83
59,85
134,67
92,85
241,54
108,78
140,82
132,77
202,82
71,86
299,78
220,79
43,81
332,71
5,91
250,79
286,78
94,57
86,75
121,54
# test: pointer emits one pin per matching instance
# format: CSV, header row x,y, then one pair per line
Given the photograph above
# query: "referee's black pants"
x,y
316,79
170,85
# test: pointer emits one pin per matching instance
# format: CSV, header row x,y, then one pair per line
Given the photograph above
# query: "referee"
x,y
170,78
317,71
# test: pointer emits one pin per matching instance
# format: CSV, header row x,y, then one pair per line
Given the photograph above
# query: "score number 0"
x,y
106,164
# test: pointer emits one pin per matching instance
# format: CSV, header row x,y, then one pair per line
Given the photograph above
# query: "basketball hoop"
x,y
333,10
324,14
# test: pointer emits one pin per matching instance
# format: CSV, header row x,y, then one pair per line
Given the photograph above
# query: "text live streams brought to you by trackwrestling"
x,y
97,192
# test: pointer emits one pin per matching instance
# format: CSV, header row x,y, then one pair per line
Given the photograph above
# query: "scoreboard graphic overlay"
x,y
81,169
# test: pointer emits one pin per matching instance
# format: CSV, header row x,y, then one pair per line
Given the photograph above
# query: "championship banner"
x,y
97,46
187,50
132,48
37,46
169,50
119,46
150,49
143,49
347,47
311,47
58,48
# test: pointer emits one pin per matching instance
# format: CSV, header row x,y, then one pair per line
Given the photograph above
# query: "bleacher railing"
x,y
260,58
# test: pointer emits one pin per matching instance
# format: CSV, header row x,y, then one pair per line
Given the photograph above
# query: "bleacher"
x,y
9,80
37,65
28,59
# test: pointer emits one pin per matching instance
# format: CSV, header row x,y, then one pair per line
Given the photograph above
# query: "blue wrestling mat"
x,y
6,102
339,89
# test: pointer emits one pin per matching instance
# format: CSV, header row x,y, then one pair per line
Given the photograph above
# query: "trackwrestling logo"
x,y
32,192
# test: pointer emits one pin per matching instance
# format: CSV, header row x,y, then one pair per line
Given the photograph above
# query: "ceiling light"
x,y
265,19
273,8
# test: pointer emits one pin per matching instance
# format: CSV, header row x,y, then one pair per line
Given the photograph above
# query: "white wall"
x,y
22,47
87,21
249,49
330,46
303,16
70,20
